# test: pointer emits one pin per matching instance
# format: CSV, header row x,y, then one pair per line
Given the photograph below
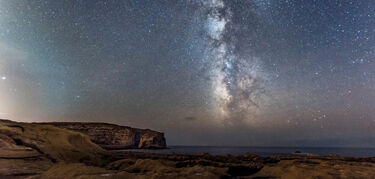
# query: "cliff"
x,y
111,136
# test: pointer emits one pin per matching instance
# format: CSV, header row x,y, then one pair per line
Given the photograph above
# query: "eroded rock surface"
x,y
110,136
28,150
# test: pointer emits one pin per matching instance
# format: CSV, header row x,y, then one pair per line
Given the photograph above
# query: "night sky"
x,y
215,72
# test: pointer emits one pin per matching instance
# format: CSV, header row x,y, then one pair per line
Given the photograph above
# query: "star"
x,y
3,78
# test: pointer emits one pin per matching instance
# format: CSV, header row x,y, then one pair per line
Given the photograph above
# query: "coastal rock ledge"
x,y
111,136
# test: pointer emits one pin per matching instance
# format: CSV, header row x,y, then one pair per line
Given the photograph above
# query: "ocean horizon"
x,y
263,151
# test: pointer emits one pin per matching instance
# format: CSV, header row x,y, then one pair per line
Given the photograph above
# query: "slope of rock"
x,y
110,136
30,149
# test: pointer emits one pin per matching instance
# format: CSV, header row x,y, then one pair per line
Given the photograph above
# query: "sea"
x,y
263,151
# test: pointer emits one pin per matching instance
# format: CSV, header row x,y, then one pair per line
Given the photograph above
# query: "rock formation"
x,y
30,149
110,136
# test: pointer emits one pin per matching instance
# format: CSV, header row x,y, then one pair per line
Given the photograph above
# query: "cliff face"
x,y
112,136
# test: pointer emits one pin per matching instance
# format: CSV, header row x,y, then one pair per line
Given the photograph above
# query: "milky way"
x,y
235,82
215,72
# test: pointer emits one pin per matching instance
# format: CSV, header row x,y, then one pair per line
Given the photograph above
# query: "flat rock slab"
x,y
24,167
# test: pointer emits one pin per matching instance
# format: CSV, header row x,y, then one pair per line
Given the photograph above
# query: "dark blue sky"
x,y
215,72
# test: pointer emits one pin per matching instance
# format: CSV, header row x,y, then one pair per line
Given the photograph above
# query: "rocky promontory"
x,y
111,136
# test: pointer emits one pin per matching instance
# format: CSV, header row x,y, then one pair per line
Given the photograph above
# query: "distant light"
x,y
3,77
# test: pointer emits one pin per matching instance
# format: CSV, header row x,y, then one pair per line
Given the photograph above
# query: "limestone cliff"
x,y
110,136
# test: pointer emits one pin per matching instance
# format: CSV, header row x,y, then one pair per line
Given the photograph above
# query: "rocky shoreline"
x,y
32,150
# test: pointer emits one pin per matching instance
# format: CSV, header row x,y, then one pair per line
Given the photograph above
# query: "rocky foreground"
x,y
29,150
